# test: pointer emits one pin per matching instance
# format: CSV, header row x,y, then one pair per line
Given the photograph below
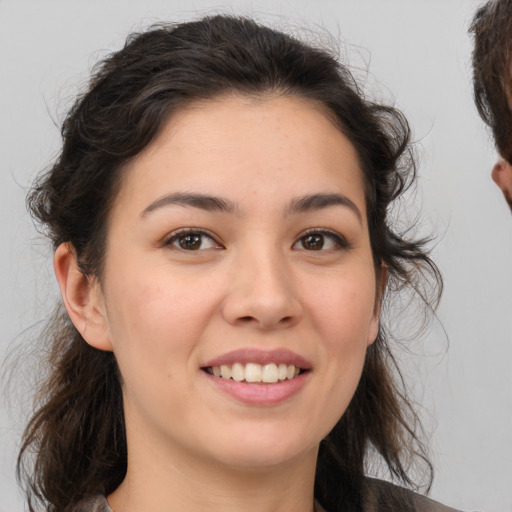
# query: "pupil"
x,y
313,242
191,242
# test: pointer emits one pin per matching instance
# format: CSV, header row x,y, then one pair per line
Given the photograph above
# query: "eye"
x,y
321,240
192,240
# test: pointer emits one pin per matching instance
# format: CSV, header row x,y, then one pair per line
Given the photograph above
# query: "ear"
x,y
381,276
502,176
82,297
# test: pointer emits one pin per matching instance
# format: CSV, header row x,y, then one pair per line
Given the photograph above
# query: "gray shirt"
x,y
376,500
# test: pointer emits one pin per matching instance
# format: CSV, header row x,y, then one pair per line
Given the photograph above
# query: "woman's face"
x,y
239,291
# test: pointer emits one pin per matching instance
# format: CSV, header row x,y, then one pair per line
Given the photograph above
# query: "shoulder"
x,y
97,503
381,496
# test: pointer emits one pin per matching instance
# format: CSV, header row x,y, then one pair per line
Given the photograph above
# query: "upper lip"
x,y
259,356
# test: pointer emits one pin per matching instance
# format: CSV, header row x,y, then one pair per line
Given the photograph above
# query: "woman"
x,y
222,246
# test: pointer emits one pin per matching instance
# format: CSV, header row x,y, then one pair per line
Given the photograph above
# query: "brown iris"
x,y
190,242
313,242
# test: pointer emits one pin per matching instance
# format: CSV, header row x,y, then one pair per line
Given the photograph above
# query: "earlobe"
x,y
374,328
82,298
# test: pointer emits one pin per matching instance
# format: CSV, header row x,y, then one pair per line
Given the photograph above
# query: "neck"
x,y
159,483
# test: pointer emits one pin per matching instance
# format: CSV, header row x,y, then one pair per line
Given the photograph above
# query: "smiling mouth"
x,y
271,373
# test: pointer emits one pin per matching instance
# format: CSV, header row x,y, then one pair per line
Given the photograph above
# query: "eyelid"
x,y
339,239
173,235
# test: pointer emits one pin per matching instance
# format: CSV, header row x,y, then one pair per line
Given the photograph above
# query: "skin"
x,y
256,284
502,176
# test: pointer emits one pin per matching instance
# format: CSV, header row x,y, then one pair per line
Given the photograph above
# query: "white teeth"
x,y
225,371
269,373
238,372
282,371
252,372
256,373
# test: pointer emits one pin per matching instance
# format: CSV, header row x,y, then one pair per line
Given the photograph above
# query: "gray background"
x,y
418,53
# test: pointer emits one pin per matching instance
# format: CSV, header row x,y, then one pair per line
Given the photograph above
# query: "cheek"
x,y
157,319
154,333
150,320
345,313
345,321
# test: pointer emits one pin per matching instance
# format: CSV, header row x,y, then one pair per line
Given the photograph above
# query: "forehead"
x,y
235,146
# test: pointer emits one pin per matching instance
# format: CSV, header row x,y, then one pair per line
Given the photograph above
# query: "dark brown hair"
x,y
77,432
492,70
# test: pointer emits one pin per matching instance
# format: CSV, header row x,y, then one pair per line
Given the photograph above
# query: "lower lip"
x,y
260,394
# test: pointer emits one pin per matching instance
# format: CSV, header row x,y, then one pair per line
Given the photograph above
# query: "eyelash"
x,y
182,233
338,240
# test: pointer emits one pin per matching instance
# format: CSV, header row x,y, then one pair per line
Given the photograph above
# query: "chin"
x,y
260,450
255,461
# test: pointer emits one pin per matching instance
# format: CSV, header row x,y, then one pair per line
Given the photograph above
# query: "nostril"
x,y
283,322
248,319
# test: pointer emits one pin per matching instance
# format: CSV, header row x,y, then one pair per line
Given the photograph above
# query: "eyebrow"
x,y
302,204
196,200
319,201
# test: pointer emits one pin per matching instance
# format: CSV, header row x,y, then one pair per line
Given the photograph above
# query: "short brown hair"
x,y
492,70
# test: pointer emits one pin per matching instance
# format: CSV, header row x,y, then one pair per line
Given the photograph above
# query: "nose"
x,y
262,293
